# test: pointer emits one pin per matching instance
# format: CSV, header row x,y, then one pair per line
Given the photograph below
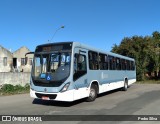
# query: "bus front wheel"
x,y
92,93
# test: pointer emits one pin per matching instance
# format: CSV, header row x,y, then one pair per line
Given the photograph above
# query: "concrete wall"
x,y
14,78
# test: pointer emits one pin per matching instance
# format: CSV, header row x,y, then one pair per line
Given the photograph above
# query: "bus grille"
x,y
51,96
47,83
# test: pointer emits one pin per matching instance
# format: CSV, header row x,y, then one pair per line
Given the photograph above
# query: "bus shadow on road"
x,y
109,93
57,103
69,104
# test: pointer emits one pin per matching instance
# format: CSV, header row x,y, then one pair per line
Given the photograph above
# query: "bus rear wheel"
x,y
124,88
93,93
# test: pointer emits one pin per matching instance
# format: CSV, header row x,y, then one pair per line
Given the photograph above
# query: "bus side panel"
x,y
113,79
81,93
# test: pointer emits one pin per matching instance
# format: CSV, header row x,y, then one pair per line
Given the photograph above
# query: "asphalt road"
x,y
139,99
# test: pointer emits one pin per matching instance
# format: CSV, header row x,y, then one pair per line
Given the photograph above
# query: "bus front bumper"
x,y
61,96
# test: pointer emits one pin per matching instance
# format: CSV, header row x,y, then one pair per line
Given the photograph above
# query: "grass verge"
x,y
8,89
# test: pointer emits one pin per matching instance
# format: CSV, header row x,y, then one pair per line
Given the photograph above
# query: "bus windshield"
x,y
56,65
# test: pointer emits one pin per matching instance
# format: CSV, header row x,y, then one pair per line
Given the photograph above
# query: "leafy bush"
x,y
7,88
10,89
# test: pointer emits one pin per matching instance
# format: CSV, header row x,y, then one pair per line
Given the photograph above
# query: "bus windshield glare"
x,y
56,65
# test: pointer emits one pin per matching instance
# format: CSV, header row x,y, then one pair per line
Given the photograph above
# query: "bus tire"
x,y
93,93
124,88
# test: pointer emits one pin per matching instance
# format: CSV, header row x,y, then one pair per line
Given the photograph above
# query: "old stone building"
x,y
15,62
6,58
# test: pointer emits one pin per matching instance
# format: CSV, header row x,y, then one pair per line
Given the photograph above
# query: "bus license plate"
x,y
45,98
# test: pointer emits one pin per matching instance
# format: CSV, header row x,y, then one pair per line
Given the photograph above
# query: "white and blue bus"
x,y
68,71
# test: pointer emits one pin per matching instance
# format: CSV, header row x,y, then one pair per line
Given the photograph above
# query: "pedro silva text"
x,y
147,118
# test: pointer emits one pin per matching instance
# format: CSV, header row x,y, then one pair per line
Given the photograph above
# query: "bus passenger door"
x,y
80,74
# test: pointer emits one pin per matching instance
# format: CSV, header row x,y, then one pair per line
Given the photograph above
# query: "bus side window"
x,y
91,65
123,63
93,60
128,65
132,65
103,62
106,62
80,66
114,63
110,63
118,64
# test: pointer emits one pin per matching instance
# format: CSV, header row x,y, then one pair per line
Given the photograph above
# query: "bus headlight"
x,y
65,87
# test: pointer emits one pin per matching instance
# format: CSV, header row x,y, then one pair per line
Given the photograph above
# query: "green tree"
x,y
156,51
145,51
